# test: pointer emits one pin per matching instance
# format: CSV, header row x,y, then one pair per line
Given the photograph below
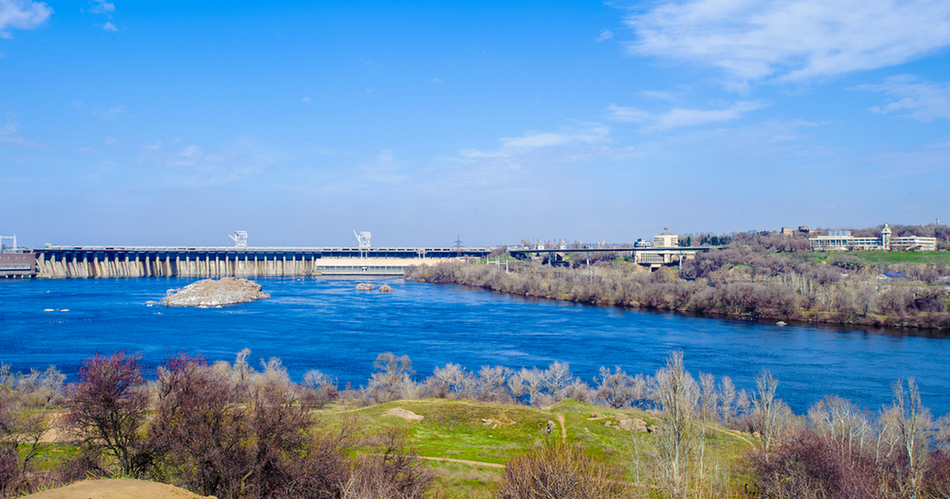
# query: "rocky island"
x,y
215,293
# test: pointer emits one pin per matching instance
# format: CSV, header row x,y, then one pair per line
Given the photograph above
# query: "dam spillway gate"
x,y
87,262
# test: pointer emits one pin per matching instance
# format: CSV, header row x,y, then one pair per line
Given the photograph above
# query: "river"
x,y
324,324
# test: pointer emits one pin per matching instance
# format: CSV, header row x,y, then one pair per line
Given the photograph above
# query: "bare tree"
x,y
614,388
727,399
451,381
765,413
318,389
392,378
913,424
108,407
677,393
491,385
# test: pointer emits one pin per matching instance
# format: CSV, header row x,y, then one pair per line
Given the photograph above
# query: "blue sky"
x,y
176,123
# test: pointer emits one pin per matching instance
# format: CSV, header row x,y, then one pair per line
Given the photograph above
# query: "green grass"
x,y
876,257
457,430
454,429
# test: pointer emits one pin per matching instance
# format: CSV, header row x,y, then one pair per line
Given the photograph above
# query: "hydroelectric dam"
x,y
135,261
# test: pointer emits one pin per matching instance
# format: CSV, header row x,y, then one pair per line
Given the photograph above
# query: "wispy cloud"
x,y
792,40
110,27
22,14
114,112
678,117
921,100
192,166
592,134
605,35
516,157
101,7
307,100
10,134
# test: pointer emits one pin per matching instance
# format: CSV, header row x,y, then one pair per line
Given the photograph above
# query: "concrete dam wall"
x,y
231,262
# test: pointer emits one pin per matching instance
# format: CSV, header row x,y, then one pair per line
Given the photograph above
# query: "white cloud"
x,y
191,152
9,134
193,167
307,100
110,27
437,81
790,40
921,100
593,134
605,35
677,117
102,6
660,95
22,14
114,112
517,157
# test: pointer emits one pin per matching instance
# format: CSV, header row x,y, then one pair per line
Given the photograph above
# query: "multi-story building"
x,y
842,240
666,241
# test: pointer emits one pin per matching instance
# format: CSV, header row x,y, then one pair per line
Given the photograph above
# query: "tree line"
x,y
233,431
742,280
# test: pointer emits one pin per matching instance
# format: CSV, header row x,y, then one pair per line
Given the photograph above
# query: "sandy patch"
x,y
115,489
404,414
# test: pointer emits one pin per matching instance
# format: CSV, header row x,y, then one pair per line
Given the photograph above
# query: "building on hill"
x,y
666,240
842,240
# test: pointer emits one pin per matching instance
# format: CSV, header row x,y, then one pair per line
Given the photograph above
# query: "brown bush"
x,y
108,408
561,470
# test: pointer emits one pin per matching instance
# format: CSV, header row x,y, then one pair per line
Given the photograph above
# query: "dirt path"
x,y
734,434
462,461
111,489
560,419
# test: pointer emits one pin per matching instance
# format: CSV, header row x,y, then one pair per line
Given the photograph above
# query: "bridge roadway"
x,y
197,261
644,256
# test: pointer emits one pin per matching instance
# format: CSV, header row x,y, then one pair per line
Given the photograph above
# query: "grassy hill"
x,y
467,443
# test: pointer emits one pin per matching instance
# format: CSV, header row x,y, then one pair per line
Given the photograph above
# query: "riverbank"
x,y
786,298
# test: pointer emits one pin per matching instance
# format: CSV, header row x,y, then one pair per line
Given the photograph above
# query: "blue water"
x,y
323,323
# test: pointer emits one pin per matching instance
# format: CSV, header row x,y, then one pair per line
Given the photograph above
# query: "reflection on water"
x,y
325,324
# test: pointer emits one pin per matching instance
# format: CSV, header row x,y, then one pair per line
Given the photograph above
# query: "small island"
x,y
215,293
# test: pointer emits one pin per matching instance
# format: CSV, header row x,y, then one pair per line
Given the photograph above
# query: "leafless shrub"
x,y
452,381
200,427
389,470
492,384
37,389
107,407
20,433
561,470
393,378
317,390
615,388
805,466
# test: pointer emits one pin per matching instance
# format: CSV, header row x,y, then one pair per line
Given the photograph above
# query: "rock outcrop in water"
x,y
212,293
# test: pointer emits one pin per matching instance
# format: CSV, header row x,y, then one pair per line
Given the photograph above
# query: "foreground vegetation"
x,y
754,277
229,430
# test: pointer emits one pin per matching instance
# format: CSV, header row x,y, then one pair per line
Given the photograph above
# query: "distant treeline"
x,y
755,277
232,431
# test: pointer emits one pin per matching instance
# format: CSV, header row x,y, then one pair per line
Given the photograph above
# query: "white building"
x,y
666,241
842,240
